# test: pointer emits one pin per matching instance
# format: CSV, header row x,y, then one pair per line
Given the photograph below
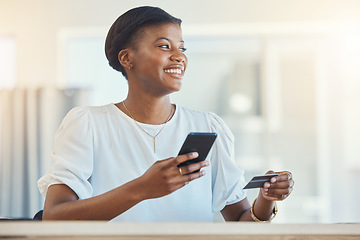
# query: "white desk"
x,y
175,231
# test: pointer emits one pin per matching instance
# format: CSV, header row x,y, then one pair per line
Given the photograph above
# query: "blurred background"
x,y
283,74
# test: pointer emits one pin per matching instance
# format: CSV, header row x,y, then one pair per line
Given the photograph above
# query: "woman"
x,y
118,161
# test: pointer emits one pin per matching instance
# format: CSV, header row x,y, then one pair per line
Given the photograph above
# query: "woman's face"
x,y
159,61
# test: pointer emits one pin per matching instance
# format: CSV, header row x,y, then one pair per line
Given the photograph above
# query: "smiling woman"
x,y
129,27
156,63
119,161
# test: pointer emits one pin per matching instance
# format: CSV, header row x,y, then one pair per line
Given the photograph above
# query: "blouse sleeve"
x,y
227,178
72,155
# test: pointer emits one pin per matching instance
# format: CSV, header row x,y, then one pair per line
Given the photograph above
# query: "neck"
x,y
148,110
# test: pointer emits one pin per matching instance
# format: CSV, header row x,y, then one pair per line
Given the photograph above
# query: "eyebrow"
x,y
167,39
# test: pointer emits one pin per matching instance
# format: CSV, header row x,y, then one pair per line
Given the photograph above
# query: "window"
x,y
7,62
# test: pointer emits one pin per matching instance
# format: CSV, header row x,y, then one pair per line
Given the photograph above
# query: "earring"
x,y
129,68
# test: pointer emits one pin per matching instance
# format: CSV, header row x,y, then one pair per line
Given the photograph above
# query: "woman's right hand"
x,y
164,177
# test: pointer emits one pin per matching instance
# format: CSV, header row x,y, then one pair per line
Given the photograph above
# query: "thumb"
x,y
270,172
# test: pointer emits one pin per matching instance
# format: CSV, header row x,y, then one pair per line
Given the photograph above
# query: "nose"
x,y
178,56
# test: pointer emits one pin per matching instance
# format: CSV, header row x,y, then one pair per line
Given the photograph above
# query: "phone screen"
x,y
200,142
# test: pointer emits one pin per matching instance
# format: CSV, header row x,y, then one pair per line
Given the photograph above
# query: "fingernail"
x,y
266,185
195,154
206,163
273,180
203,173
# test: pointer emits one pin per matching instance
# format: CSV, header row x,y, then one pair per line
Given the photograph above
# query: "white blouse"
x,y
100,148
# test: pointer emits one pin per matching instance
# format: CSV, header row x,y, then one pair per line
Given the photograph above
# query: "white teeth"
x,y
173,70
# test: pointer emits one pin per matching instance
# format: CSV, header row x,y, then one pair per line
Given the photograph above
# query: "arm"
x,y
278,189
240,211
161,179
62,203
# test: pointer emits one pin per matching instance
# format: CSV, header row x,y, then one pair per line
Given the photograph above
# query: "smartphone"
x,y
200,142
258,181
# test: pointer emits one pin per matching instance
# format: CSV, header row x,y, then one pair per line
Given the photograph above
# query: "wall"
x,y
36,23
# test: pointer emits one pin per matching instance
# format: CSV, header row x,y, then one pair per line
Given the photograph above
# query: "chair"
x,y
38,216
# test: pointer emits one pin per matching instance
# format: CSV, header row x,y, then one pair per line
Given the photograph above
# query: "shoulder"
x,y
219,126
84,116
88,111
190,113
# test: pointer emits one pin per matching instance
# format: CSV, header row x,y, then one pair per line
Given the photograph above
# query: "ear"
x,y
125,58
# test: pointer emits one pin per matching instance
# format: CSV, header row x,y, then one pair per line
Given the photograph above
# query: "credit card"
x,y
258,181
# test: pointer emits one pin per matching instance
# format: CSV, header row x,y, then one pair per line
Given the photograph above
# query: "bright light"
x,y
240,103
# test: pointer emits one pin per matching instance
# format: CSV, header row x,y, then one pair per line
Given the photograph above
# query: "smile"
x,y
173,70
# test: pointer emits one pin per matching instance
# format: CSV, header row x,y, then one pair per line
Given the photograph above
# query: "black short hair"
x,y
123,31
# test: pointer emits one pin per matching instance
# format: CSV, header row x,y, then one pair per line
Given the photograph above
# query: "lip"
x,y
177,70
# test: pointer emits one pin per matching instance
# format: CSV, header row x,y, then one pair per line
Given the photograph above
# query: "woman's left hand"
x,y
279,187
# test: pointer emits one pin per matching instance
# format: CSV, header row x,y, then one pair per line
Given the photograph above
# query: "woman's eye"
x,y
183,49
164,46
167,47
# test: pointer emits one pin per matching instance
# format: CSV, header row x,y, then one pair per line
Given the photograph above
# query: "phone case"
x,y
200,142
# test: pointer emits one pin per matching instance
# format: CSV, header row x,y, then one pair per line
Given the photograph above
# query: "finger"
x,y
276,197
180,170
277,192
283,184
191,177
184,157
269,172
284,175
281,177
193,167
